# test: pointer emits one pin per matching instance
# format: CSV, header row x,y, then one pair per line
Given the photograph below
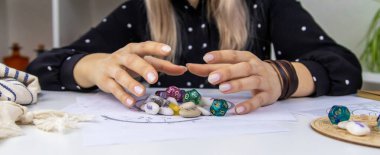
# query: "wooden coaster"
x,y
323,126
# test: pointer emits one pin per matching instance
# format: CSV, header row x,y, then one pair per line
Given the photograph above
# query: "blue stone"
x,y
338,114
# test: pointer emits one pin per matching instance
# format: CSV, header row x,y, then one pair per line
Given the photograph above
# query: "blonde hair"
x,y
230,16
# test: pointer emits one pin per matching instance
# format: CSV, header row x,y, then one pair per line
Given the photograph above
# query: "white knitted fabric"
x,y
18,88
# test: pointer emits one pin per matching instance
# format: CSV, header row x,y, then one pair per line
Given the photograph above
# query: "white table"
x,y
300,140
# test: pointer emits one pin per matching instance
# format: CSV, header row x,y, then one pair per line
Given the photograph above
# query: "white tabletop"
x,y
300,140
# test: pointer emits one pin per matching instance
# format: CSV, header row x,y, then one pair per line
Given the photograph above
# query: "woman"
x,y
232,37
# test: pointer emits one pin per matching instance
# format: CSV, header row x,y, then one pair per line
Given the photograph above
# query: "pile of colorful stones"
x,y
340,116
188,104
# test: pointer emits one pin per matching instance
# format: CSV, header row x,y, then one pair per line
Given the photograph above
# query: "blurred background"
x,y
55,23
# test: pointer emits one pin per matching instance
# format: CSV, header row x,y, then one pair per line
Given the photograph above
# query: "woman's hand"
x,y
115,73
237,71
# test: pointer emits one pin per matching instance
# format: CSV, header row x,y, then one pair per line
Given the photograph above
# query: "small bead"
x,y
87,41
49,68
63,88
190,47
259,25
124,7
190,29
279,52
186,7
104,20
314,79
68,58
78,87
255,6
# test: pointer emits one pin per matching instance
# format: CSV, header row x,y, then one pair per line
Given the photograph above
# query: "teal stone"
x,y
219,107
192,96
338,114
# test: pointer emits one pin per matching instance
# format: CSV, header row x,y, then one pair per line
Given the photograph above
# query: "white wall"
x,y
3,30
346,21
29,24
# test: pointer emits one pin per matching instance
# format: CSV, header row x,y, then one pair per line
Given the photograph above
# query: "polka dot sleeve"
x,y
297,37
55,68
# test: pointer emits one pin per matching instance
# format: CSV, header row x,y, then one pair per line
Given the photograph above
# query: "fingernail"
x,y
224,87
129,102
240,109
151,77
166,49
184,68
138,89
208,57
214,78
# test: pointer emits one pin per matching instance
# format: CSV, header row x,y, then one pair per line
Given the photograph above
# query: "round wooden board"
x,y
324,127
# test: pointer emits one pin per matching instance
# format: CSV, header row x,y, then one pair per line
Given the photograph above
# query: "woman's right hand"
x,y
115,73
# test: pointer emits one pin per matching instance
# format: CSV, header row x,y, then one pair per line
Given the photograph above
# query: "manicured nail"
x,y
166,49
138,89
213,78
184,68
129,102
208,57
240,109
224,87
151,77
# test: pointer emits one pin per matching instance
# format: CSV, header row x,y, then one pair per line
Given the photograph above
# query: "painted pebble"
x,y
358,128
339,113
175,108
172,100
192,96
174,92
219,107
343,124
187,105
151,108
166,111
204,111
190,113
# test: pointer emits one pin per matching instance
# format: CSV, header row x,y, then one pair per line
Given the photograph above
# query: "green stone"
x,y
192,96
219,107
338,114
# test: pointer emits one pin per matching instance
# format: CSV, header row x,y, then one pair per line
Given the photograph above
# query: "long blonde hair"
x,y
231,17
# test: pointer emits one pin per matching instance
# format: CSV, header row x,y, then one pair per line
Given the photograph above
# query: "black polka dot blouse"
x,y
291,30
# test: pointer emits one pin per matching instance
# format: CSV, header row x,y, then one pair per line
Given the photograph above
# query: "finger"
x,y
251,104
116,90
124,79
165,66
227,56
240,70
148,48
248,83
140,66
204,69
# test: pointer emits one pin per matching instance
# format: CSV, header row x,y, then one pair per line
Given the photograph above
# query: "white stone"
x,y
204,111
172,100
343,124
190,113
151,108
166,111
187,105
358,128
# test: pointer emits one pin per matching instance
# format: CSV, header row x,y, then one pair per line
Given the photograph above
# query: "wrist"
x,y
85,70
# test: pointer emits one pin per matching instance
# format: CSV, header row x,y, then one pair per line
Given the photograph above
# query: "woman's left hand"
x,y
237,71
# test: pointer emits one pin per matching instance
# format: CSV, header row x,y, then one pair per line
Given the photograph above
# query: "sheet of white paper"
x,y
118,125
